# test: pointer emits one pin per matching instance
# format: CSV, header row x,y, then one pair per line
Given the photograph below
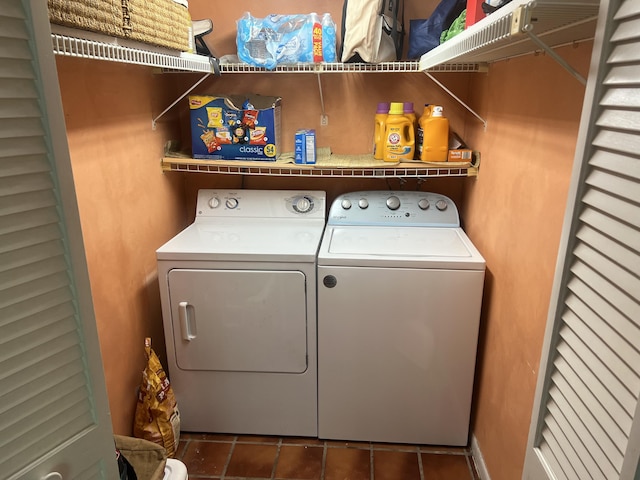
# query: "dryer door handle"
x,y
186,320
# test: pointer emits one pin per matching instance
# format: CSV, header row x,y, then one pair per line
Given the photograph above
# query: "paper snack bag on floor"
x,y
157,418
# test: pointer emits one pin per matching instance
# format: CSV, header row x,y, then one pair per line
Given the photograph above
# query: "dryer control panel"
x,y
402,208
265,204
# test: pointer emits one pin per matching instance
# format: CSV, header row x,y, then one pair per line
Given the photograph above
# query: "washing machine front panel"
x,y
396,353
239,320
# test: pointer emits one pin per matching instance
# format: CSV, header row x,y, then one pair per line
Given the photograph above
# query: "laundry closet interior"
x,y
512,210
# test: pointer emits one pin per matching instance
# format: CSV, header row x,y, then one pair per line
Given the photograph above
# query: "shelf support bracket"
x,y
457,99
153,122
323,117
563,63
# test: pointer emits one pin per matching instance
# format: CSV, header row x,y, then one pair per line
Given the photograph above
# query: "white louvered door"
x,y
586,418
53,409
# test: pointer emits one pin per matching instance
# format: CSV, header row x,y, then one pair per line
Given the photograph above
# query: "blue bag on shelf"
x,y
424,34
285,39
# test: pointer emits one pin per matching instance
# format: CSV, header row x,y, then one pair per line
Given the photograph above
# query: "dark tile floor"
x,y
246,457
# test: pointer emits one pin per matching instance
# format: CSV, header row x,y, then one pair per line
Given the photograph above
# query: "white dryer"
x,y
399,296
238,291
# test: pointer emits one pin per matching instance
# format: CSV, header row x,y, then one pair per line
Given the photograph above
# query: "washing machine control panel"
x,y
226,203
394,208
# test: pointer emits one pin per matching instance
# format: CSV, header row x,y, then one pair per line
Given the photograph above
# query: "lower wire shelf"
x,y
400,170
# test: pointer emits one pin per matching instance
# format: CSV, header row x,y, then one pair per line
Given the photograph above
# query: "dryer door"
x,y
239,320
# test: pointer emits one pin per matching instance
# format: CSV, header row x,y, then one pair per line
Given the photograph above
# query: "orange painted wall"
x,y
514,213
127,207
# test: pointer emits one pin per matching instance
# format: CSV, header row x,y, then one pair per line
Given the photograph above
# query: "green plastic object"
x,y
456,27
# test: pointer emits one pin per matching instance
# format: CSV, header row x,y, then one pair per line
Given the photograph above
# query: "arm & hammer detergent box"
x,y
305,147
235,127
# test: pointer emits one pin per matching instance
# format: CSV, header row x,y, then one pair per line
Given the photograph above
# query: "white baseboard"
x,y
478,459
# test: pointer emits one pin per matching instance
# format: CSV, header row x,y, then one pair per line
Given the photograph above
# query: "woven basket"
x,y
158,22
163,23
102,16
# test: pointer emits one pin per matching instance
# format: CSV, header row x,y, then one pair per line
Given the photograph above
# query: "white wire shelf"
x,y
506,33
403,170
82,44
385,67
116,51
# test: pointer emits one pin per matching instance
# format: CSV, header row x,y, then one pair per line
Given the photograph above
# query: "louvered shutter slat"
x,y
614,274
613,206
594,433
620,119
551,453
33,320
620,97
621,186
571,443
622,75
623,233
617,421
587,450
16,311
627,9
625,327
616,251
34,209
605,289
628,30
563,450
569,410
28,237
617,163
15,68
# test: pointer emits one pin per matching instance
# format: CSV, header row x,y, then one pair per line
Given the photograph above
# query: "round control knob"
x,y
441,205
214,202
231,203
393,202
363,203
423,203
303,205
346,204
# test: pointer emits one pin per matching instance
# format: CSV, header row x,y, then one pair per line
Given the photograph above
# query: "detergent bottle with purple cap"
x,y
399,135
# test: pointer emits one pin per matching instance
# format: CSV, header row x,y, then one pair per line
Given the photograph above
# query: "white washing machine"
x,y
399,295
238,291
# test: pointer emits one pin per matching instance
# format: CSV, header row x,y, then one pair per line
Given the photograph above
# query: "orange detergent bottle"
x,y
399,135
380,126
435,136
426,113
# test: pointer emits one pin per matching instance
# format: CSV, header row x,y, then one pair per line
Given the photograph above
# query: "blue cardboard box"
x,y
305,147
235,127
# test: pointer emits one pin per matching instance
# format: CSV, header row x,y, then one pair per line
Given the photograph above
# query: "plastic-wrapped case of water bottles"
x,y
286,39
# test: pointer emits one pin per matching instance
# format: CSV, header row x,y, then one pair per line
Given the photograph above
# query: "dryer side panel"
x,y
239,320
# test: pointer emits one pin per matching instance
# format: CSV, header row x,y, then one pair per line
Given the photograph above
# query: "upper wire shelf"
x,y
384,67
507,32
70,46
113,50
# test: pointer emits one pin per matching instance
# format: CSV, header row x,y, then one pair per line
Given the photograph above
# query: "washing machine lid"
x,y
410,247
246,240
